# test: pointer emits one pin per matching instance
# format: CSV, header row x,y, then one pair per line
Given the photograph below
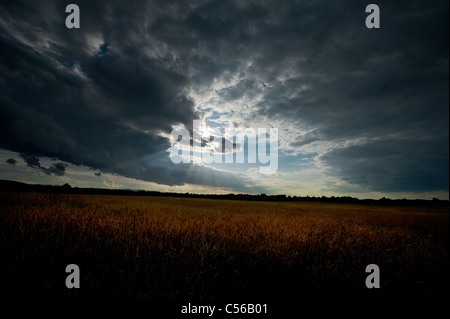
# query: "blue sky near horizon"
x,y
360,112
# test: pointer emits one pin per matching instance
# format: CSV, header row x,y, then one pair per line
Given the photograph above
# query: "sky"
x,y
359,112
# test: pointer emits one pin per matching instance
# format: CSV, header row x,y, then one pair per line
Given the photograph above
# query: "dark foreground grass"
x,y
181,250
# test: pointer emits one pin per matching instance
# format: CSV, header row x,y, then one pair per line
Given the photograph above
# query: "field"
x,y
202,250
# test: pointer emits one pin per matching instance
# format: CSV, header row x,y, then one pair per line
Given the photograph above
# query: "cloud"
x,y
57,169
347,92
107,95
99,97
391,166
11,161
103,110
31,161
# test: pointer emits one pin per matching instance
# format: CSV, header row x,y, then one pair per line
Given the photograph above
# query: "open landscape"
x,y
208,250
203,157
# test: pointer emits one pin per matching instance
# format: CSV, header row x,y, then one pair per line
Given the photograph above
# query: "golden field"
x,y
183,249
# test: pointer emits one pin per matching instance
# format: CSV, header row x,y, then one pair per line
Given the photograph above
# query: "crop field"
x,y
188,249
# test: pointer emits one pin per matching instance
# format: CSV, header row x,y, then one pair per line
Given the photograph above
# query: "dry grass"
x,y
188,249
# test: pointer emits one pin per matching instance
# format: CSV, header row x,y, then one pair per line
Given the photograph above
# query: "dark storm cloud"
x,y
57,169
100,95
31,161
392,166
101,109
327,71
389,85
345,82
11,161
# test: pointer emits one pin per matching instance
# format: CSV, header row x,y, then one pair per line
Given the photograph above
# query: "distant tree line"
x,y
12,186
